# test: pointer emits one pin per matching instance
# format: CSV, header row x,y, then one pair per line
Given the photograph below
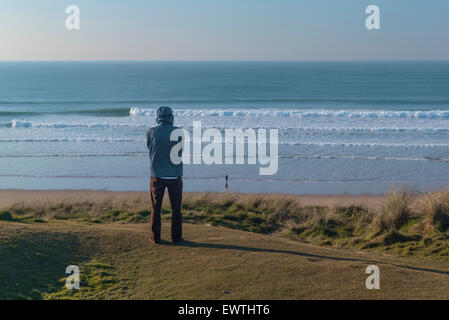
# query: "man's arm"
x,y
149,133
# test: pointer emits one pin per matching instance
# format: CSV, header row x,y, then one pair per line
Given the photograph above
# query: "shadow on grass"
x,y
298,253
32,263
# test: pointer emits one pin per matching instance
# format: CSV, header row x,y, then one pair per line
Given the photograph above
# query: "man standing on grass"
x,y
164,174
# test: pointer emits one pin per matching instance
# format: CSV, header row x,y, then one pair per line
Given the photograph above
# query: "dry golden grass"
x,y
434,206
403,219
394,212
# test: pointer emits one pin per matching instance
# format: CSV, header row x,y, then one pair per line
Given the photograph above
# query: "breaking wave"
x,y
281,126
300,113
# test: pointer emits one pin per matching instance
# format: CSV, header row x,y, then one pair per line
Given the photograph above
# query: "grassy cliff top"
x,y
238,247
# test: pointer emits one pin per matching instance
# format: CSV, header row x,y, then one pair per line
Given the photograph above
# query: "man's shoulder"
x,y
151,129
166,128
162,129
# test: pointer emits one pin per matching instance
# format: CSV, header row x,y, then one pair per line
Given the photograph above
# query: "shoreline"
x,y
10,197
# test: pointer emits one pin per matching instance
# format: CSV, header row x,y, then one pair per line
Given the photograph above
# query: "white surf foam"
x,y
300,113
37,124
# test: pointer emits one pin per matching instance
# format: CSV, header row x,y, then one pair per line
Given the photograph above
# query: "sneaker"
x,y
179,241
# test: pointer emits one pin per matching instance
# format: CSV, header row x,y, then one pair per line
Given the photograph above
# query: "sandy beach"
x,y
10,197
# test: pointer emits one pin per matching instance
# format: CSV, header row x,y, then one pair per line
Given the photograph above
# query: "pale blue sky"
x,y
224,30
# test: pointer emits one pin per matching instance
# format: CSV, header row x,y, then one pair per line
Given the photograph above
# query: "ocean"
x,y
344,127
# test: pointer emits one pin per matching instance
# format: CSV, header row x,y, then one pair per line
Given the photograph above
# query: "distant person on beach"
x,y
164,174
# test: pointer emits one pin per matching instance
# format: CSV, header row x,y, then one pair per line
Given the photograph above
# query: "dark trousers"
x,y
157,188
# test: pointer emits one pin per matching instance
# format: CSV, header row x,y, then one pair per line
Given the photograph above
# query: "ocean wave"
x,y
368,129
18,113
37,124
67,176
75,155
288,156
368,144
111,112
361,157
300,113
72,139
288,127
319,144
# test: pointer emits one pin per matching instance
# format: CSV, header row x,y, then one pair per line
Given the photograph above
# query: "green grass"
x,y
405,224
97,277
28,263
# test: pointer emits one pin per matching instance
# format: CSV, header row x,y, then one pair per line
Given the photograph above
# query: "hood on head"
x,y
164,115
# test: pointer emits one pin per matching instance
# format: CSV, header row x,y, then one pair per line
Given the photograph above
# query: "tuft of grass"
x,y
435,206
394,212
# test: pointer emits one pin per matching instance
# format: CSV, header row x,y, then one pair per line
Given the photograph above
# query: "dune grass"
x,y
404,224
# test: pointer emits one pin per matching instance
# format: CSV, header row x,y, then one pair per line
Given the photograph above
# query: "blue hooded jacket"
x,y
159,146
